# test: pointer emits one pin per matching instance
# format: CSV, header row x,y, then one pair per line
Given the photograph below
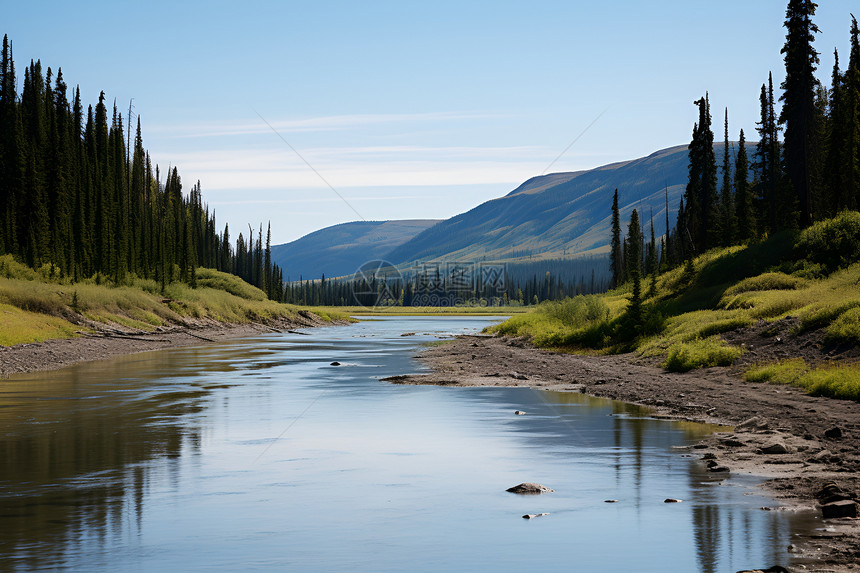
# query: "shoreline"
x,y
59,353
781,434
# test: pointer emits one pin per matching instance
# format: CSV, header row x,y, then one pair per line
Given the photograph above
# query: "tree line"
x,y
444,284
805,166
79,199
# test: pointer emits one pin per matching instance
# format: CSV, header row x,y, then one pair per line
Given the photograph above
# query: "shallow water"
x,y
256,454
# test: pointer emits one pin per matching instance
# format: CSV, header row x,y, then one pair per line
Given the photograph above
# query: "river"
x,y
258,454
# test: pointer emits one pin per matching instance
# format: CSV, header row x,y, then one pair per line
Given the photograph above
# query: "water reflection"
x,y
258,453
75,452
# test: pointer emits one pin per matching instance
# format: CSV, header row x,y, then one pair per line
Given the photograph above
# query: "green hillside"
x,y
796,293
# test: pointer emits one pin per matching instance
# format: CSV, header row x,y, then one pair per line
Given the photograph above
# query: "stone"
x,y
529,488
775,448
732,442
719,469
844,508
831,492
672,500
335,364
533,515
821,457
833,433
754,424
709,456
519,413
610,501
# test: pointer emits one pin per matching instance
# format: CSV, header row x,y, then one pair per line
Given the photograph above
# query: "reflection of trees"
x,y
74,458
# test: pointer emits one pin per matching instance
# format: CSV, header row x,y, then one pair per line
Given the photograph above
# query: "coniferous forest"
x,y
79,197
804,168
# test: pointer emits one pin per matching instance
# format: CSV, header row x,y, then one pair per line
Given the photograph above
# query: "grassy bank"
x,y
36,306
810,278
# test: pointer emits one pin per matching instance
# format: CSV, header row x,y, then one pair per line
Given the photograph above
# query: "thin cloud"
x,y
313,124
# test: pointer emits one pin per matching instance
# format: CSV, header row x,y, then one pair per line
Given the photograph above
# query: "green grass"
x,y
832,380
812,277
700,353
783,372
39,305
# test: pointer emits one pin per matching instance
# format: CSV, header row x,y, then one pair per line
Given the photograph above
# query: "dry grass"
x,y
38,306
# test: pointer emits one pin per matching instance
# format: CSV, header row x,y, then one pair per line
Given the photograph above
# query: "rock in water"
x,y
533,515
529,488
519,413
335,364
672,500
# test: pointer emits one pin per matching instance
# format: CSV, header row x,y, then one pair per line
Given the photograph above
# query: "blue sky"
x,y
409,110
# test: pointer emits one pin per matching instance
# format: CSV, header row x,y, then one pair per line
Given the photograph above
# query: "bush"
x,y
702,353
834,243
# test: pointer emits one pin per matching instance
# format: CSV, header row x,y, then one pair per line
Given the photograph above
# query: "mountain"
x,y
559,215
555,216
341,249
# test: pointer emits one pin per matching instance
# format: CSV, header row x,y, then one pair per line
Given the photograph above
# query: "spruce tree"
x,y
799,110
701,198
615,252
837,163
851,119
727,203
634,268
744,205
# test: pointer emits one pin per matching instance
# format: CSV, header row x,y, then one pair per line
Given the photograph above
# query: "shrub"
x,y
834,243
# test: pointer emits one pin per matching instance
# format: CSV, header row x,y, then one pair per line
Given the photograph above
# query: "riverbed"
x,y
259,454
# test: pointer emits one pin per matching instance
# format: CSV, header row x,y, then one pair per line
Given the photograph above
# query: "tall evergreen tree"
x,y
744,206
615,253
837,158
727,202
634,267
799,110
768,163
701,198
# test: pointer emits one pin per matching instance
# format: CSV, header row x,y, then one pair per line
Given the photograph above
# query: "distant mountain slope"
x,y
558,215
341,249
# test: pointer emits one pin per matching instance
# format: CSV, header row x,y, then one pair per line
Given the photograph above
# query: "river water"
x,y
257,454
